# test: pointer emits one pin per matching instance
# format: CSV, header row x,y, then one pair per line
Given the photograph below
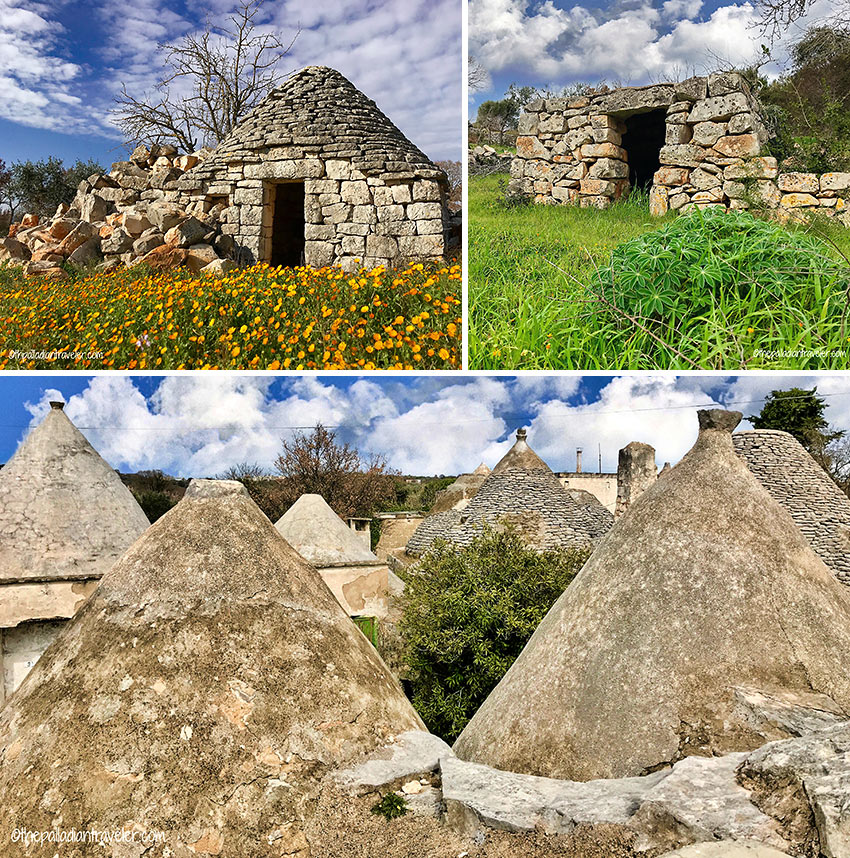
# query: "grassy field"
x,y
254,318
531,269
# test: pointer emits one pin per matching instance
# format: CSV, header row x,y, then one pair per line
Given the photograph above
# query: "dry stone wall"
x,y
698,143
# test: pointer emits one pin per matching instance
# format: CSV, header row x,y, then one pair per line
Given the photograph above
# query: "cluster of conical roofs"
x,y
212,680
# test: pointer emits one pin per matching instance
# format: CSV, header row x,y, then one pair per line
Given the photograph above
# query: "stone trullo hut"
x,y
700,142
521,491
65,518
703,590
819,508
317,175
458,494
352,572
202,692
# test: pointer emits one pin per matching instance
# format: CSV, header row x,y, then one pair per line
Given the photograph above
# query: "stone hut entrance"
x,y
286,207
643,139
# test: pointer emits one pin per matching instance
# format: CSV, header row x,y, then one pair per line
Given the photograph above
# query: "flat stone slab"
x,y
727,849
412,753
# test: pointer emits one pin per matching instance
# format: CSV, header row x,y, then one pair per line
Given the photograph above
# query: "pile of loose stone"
x,y
128,216
485,159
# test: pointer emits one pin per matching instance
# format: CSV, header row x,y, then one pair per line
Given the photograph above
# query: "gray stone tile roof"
x,y
819,508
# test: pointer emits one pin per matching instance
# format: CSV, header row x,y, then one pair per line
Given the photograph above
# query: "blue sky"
x,y
199,424
63,61
555,43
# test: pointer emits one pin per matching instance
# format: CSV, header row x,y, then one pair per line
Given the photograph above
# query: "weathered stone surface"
x,y
200,255
799,182
672,176
188,232
835,182
13,250
81,233
219,267
165,215
93,208
134,222
149,240
753,168
704,180
708,133
89,251
686,155
718,109
792,201
531,147
165,257
658,200
727,849
738,146
609,168
117,242
603,150
414,752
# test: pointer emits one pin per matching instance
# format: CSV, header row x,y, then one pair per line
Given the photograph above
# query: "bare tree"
x,y
476,75
454,170
212,80
778,15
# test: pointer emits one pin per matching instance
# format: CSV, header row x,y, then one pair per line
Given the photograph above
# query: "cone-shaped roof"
x,y
321,537
482,471
64,512
819,508
521,456
202,691
318,113
705,585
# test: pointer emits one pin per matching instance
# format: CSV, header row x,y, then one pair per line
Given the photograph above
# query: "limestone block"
x,y
313,168
741,123
753,168
356,193
318,254
573,172
564,195
793,200
219,267
337,213
543,187
531,147
607,135
81,233
426,190
528,124
420,246
835,182
61,227
364,214
703,179
675,134
713,195
338,169
734,190
389,213
671,176
684,155
580,137
554,124
676,201
118,242
164,215
609,168
13,250
517,168
727,849
147,242
319,232
766,191
247,196
401,193
708,133
677,118
429,227
351,228
598,187
354,245
720,108
538,170
659,200
329,199
188,232
381,245
134,222
690,90
807,183
93,209
199,256
603,150
637,99
738,145
575,122
382,195
251,215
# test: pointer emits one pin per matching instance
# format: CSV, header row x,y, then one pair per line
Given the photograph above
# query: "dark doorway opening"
x,y
288,225
644,137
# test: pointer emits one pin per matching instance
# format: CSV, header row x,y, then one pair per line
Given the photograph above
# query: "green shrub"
x,y
756,277
467,614
391,806
154,504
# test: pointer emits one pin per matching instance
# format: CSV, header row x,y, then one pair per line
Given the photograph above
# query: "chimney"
x,y
636,472
57,406
578,460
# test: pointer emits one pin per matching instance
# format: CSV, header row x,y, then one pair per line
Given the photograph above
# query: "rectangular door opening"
x,y
644,137
288,225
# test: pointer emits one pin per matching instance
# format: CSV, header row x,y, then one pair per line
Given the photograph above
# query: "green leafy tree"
x,y
39,187
467,614
800,412
498,116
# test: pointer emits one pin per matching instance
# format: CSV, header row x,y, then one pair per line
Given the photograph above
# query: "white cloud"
x,y
200,425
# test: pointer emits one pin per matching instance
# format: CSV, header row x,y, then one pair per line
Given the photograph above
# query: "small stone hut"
x,y
819,508
704,591
316,174
65,518
202,693
523,492
699,143
458,494
352,572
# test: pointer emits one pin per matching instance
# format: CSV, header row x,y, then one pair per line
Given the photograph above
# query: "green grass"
x,y
536,274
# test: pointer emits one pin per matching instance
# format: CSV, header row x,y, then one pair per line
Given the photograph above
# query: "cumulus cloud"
x,y
201,425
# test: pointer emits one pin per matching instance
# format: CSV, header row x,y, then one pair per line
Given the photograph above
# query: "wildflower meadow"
x,y
253,318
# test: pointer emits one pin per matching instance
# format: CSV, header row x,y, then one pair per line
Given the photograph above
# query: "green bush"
x,y
467,614
154,504
391,806
759,279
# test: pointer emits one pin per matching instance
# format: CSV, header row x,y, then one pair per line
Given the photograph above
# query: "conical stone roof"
x,y
319,113
64,512
521,456
819,508
321,537
703,587
202,691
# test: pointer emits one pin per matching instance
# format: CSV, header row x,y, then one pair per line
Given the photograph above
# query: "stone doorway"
x,y
644,137
287,234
